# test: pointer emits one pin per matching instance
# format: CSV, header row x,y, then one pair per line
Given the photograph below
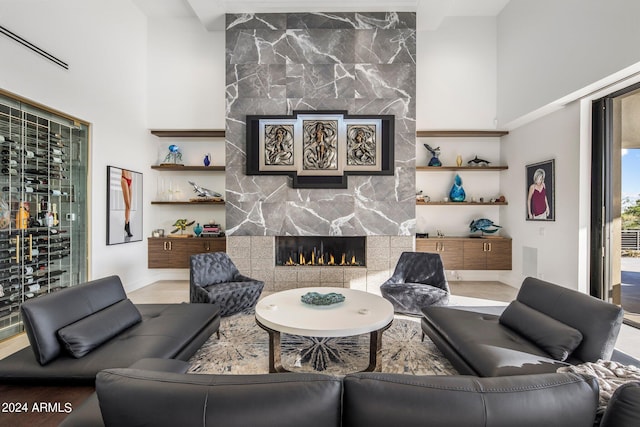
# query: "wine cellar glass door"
x,y
43,212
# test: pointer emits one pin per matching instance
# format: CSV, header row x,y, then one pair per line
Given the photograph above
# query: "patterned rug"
x,y
243,349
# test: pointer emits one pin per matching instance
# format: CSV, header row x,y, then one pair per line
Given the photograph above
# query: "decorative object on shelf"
x,y
478,162
124,206
422,198
212,230
181,225
197,229
327,147
541,191
483,225
457,193
459,160
435,153
204,193
174,157
315,298
158,232
207,159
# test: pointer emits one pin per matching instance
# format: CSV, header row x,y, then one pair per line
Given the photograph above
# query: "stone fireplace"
x,y
361,63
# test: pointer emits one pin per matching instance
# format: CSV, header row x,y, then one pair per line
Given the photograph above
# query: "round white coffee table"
x,y
360,313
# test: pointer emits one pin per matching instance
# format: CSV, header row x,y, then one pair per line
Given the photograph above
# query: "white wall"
x,y
456,75
186,90
549,48
186,79
456,89
555,136
104,44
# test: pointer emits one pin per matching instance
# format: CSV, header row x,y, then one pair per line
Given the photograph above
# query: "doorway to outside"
x,y
615,201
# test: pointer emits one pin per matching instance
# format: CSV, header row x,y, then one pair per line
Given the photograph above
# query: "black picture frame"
x,y
533,195
323,179
118,181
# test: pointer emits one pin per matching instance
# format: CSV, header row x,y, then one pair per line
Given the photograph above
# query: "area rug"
x,y
243,349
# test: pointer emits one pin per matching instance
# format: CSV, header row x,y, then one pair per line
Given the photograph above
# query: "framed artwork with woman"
x,y
124,206
541,191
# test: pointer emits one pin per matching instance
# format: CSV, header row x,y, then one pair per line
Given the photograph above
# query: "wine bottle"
x,y
9,171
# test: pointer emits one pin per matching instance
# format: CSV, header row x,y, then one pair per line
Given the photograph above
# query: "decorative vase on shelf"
x,y
197,230
457,193
207,160
459,160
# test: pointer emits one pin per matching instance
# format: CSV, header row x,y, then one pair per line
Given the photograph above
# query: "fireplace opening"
x,y
320,251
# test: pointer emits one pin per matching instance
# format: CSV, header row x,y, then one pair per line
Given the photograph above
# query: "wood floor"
x,y
57,400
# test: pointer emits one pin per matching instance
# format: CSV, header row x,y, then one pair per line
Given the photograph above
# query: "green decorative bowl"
x,y
315,298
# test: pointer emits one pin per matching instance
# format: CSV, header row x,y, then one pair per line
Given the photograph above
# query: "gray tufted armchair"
x,y
418,281
214,278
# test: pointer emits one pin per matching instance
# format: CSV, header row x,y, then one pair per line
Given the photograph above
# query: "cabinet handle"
x,y
170,246
17,257
489,247
30,247
167,245
208,247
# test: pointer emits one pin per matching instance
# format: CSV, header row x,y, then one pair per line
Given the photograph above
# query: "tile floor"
x,y
463,293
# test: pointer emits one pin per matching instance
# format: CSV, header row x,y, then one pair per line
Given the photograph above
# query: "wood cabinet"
x,y
173,252
487,254
450,250
470,253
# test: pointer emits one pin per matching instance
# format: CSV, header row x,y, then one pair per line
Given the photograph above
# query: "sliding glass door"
x,y
615,201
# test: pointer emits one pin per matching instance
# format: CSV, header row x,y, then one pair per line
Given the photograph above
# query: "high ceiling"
x,y
211,12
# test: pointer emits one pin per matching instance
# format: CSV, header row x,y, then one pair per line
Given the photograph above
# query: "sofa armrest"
x,y
623,409
88,413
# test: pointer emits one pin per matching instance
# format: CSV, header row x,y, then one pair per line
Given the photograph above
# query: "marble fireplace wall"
x,y
363,63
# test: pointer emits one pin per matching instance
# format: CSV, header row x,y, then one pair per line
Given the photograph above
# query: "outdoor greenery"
x,y
631,216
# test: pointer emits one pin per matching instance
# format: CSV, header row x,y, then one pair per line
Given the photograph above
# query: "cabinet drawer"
x,y
451,251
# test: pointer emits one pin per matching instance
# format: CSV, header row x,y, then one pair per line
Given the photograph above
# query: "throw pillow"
x,y
554,337
80,337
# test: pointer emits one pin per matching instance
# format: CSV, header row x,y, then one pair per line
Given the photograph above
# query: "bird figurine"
x,y
203,192
435,152
483,225
181,225
478,162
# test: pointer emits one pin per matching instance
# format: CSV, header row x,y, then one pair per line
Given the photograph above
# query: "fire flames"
x,y
320,260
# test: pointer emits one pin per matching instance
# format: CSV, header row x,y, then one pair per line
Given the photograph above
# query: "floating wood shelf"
x,y
461,168
462,133
188,168
185,202
461,203
188,133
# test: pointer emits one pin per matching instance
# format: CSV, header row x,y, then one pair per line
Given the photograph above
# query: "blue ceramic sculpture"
x,y
207,160
483,225
457,192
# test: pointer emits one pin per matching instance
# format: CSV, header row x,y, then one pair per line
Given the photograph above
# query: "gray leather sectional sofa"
x,y
545,328
79,331
135,397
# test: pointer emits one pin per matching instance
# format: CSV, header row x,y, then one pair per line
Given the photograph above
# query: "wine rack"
x,y
43,178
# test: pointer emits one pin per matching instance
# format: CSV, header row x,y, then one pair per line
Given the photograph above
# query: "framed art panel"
x,y
319,149
541,204
124,206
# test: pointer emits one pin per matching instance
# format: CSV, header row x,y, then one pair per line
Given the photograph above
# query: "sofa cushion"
x,y
488,347
380,400
132,397
174,331
597,320
554,337
43,316
81,337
